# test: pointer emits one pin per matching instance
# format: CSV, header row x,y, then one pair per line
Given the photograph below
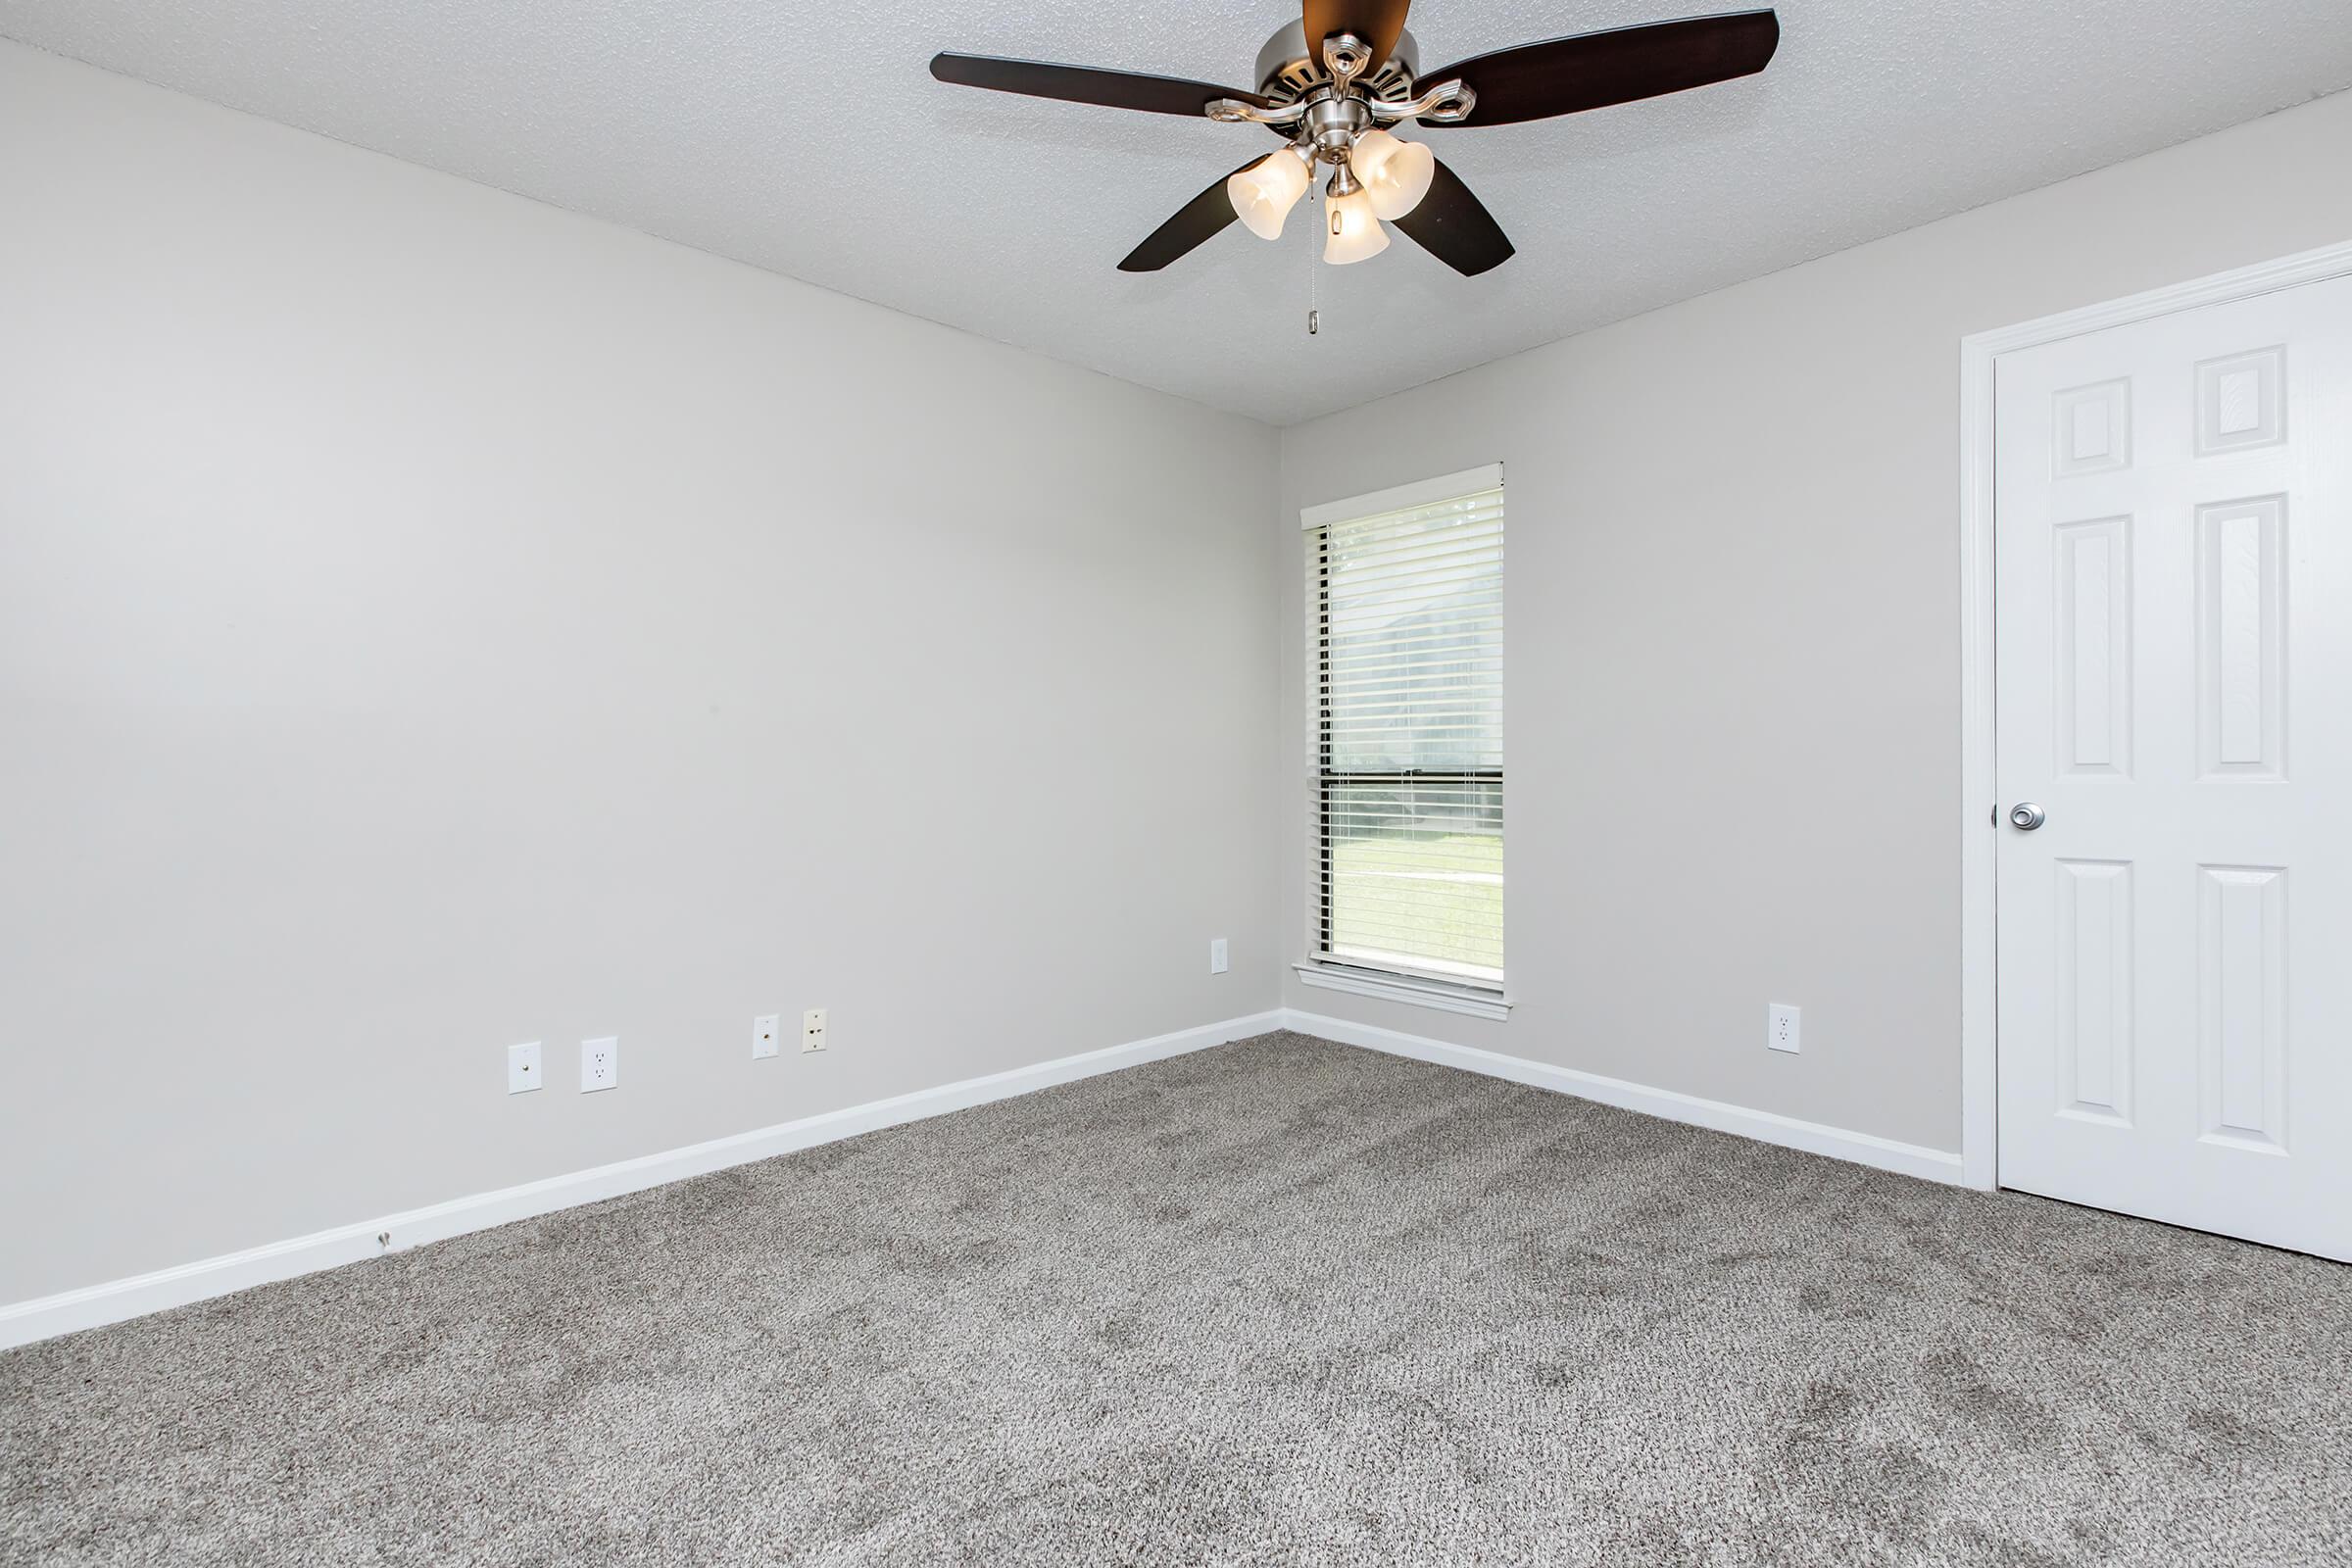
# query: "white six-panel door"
x,y
2173,612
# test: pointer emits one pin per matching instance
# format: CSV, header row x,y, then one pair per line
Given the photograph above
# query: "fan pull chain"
x,y
1314,318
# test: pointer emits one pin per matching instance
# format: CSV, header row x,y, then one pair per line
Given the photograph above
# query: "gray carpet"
x,y
1283,1302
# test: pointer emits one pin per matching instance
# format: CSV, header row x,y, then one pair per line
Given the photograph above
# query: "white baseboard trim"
x,y
1863,1149
92,1306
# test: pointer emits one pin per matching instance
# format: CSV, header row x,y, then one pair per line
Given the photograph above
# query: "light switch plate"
x,y
1216,956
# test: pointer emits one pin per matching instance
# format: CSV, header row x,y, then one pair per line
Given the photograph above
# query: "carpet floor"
x,y
1283,1302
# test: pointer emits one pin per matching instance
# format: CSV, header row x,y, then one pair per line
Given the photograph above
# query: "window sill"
x,y
1412,993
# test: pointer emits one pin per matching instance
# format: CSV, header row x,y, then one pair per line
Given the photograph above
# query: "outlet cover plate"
x,y
523,1068
812,1030
1780,1027
1216,956
599,1064
763,1034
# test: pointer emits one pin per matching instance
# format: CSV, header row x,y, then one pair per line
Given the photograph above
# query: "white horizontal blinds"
x,y
1407,657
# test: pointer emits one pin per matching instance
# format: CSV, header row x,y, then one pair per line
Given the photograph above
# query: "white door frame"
x,y
1978,1060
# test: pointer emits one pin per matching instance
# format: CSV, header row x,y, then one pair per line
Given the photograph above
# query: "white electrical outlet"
x,y
599,1064
523,1068
1779,1026
1216,956
812,1029
763,1034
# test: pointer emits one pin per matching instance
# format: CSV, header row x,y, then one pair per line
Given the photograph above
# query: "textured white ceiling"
x,y
811,141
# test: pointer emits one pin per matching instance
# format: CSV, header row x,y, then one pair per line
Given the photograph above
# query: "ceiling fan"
x,y
1333,82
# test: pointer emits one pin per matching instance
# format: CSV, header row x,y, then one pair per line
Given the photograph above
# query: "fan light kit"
x,y
1335,81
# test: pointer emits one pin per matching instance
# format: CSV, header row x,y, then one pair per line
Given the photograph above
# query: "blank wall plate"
x,y
523,1068
599,1064
763,1034
1781,1026
1216,956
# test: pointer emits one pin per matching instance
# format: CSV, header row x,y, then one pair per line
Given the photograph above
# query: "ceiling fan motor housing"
x,y
1289,70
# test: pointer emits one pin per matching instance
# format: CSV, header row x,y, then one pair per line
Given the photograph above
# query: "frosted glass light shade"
x,y
1354,233
1395,174
1263,194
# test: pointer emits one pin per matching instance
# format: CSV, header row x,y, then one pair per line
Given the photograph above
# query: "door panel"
x,y
2174,559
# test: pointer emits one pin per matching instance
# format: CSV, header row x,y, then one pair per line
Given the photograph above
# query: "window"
x,y
1404,651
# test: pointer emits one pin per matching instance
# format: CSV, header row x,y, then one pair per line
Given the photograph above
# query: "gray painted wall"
x,y
429,620
1733,631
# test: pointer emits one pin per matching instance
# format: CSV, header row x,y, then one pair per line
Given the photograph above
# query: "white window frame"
x,y
1468,998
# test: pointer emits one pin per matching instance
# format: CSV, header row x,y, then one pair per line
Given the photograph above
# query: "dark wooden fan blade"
x,y
1196,222
1593,70
1085,84
1455,226
1376,21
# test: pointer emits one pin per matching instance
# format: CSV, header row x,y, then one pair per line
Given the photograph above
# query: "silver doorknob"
x,y
2026,817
